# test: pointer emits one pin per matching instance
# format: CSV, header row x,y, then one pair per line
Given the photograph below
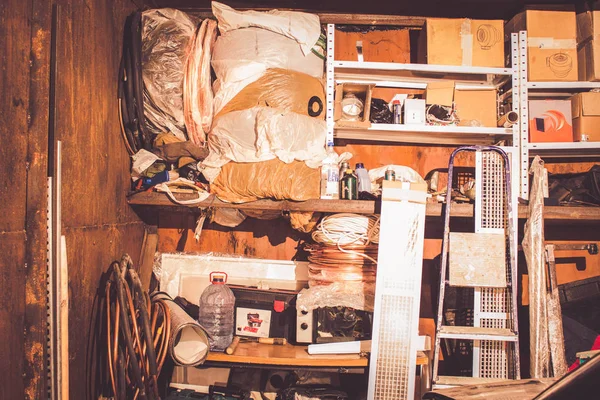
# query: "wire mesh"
x,y
493,356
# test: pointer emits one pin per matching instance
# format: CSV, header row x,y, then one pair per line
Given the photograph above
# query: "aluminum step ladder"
x,y
485,261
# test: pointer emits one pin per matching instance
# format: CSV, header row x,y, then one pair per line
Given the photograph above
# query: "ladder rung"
x,y
473,333
464,380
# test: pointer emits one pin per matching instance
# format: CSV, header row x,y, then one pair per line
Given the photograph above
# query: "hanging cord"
x,y
137,334
347,229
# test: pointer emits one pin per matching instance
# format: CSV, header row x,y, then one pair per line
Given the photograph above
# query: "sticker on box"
x,y
252,322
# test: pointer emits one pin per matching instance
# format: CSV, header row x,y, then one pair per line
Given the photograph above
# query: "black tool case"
x,y
281,303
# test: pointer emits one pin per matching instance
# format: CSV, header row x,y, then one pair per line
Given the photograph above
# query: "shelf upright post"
x,y
524,115
516,105
330,82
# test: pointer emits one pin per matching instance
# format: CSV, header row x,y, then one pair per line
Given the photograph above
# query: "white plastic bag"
x,y
242,56
302,27
264,133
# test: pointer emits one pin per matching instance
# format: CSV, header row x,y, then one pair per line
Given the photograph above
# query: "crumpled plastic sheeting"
x,y
262,134
282,89
242,56
166,35
533,246
357,295
170,268
303,28
273,179
403,173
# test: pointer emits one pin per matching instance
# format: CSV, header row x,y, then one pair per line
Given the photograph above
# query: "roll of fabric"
x,y
188,342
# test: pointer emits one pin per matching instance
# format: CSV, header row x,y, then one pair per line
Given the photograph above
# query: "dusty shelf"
x,y
565,149
578,86
160,200
425,134
290,355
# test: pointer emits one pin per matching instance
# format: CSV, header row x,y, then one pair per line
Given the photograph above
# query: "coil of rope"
x,y
346,229
137,334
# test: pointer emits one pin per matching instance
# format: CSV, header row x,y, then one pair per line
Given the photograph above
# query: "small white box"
x,y
414,112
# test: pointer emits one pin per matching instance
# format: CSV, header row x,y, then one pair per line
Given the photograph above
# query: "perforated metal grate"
x,y
392,375
491,358
397,300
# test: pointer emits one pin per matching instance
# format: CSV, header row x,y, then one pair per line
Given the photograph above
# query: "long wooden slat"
x,y
477,333
589,214
290,355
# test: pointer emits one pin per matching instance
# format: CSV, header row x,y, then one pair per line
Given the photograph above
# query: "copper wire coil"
x,y
341,268
371,248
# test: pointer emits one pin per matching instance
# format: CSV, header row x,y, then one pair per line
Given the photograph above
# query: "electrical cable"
x,y
137,334
345,229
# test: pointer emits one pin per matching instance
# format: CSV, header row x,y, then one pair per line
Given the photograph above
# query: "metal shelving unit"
x,y
546,89
416,76
429,134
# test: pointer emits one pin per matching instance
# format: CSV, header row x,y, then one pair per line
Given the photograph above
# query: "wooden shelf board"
x,y
290,355
160,200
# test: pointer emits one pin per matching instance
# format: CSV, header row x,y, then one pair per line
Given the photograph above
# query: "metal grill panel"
x,y
397,300
393,358
491,357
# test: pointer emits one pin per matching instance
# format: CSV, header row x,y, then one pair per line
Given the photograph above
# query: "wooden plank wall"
x,y
23,123
98,224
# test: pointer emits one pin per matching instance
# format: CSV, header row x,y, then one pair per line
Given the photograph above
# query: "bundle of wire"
x,y
137,334
346,249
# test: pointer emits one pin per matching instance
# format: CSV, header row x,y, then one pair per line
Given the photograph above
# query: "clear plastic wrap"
x,y
261,134
242,56
166,34
303,28
533,247
403,173
186,275
274,179
357,295
282,89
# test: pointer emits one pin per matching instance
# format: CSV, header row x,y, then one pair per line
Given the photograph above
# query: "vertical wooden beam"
x,y
34,374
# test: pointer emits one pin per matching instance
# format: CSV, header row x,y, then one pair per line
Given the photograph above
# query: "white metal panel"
x,y
397,300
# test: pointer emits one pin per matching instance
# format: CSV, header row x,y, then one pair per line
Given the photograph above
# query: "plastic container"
x,y
330,175
364,183
217,304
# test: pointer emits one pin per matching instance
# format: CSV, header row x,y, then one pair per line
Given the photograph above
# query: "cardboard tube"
x,y
188,344
508,119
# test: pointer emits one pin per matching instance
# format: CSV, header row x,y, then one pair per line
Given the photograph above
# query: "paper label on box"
x,y
252,322
466,43
551,43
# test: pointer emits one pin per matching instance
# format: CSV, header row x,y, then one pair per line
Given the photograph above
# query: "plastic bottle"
x,y
349,186
330,175
217,304
364,182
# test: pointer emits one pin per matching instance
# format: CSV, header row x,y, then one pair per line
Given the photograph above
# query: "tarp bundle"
x,y
269,98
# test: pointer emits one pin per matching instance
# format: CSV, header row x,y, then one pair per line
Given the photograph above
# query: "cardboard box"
x,y
363,92
440,92
588,45
476,105
386,45
550,121
469,42
551,41
414,112
586,116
